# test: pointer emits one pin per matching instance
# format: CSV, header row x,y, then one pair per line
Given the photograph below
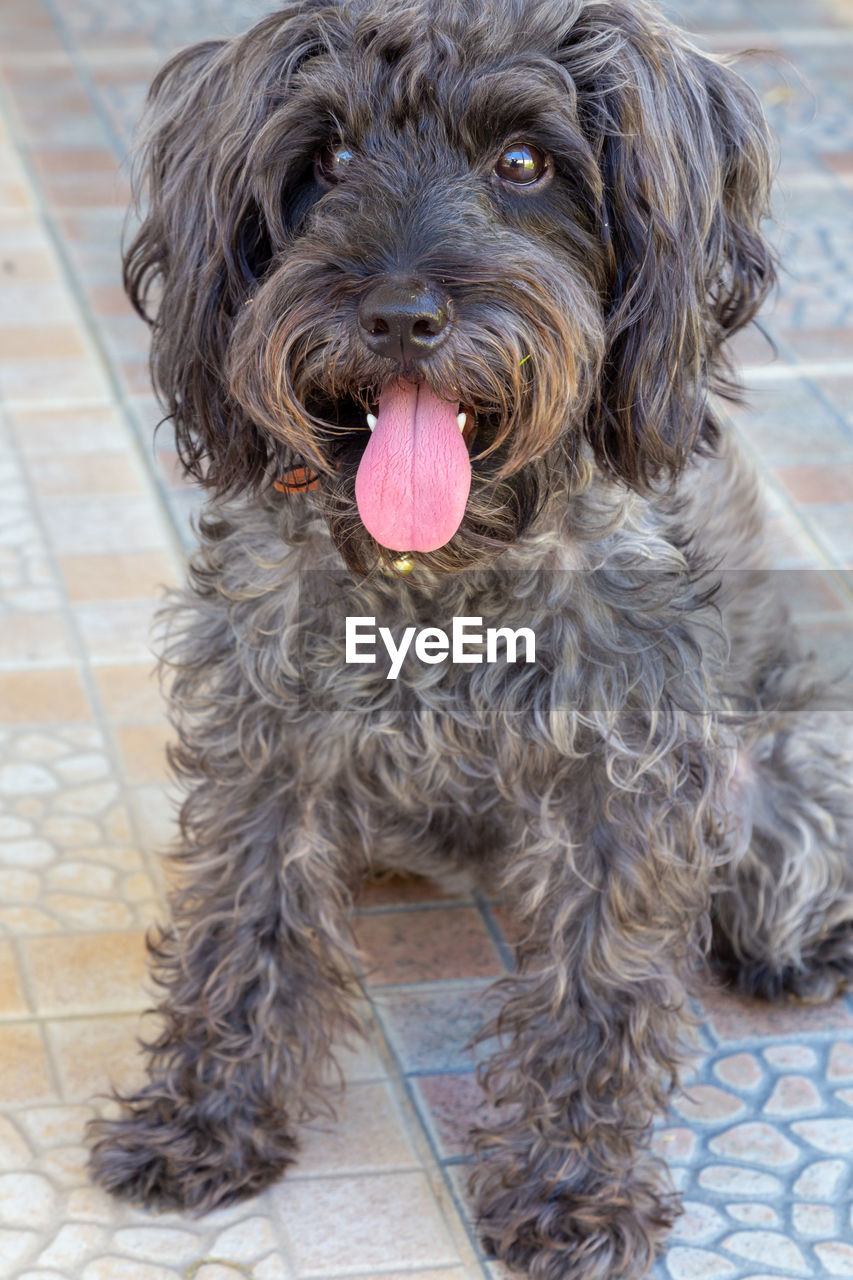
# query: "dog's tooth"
x,y
462,420
371,421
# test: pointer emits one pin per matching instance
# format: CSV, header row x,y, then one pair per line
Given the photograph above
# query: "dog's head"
x,y
543,215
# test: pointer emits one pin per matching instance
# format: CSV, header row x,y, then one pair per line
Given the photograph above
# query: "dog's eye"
x,y
522,164
332,161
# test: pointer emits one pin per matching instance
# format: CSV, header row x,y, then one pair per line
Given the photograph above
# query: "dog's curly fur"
x,y
666,782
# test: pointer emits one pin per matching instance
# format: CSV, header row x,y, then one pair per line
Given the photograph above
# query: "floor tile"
x,y
143,751
368,1135
42,434
453,1104
734,1018
758,1142
420,946
117,630
130,692
25,1076
45,696
12,999
87,525
432,1030
90,973
415,1234
116,576
42,638
93,1054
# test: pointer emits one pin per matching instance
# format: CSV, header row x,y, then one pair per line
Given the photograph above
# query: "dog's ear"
x,y
204,239
685,160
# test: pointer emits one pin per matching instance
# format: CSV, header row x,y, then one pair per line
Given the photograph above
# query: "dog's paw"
x,y
614,1235
163,1155
824,971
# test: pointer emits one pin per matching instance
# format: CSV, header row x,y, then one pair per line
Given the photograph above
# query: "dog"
x,y
440,292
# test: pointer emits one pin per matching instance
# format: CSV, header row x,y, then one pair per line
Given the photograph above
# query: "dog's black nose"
x,y
406,321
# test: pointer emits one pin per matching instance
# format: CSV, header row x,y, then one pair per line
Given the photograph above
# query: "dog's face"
x,y
435,252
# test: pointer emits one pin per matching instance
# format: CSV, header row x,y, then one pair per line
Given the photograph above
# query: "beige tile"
x,y
29,264
94,525
25,1076
442,1273
74,911
361,1209
113,473
34,638
155,810
112,1267
12,1000
44,433
143,751
53,160
39,697
71,191
368,1135
53,378
28,303
56,341
117,576
360,1059
118,630
21,921
87,973
91,1054
110,300
130,692
14,193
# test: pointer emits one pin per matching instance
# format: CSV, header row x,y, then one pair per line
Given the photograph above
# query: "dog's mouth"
x,y
413,475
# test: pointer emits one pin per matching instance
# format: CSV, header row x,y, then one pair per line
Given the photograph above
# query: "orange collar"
x,y
296,480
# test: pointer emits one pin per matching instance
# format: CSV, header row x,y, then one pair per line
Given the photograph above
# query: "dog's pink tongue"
x,y
413,480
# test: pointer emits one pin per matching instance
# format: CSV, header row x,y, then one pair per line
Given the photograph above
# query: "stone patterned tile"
x,y
793,1096
739,1069
707,1104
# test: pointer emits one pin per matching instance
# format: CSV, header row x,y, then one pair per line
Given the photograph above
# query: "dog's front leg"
x,y
590,1040
255,966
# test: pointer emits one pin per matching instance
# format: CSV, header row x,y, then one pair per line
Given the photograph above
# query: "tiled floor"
x,y
92,521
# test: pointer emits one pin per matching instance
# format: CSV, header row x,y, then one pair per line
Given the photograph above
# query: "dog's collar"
x,y
301,479
296,480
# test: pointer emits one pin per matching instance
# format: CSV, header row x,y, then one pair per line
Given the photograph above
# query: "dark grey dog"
x,y
543,215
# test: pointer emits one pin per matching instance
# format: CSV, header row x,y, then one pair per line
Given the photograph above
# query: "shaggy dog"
x,y
365,220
